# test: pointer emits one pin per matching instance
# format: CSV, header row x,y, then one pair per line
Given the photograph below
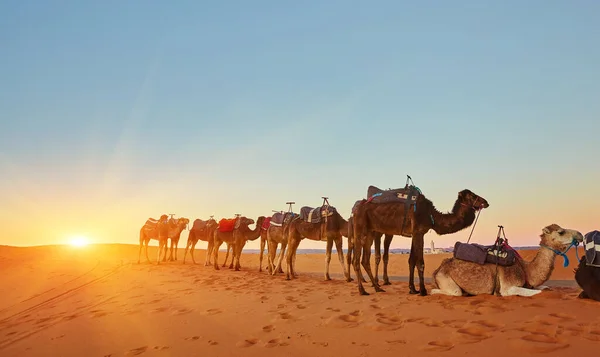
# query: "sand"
x,y
96,301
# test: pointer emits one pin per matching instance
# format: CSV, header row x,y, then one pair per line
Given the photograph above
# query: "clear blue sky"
x,y
115,111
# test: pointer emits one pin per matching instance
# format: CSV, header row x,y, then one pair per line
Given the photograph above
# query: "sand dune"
x,y
95,301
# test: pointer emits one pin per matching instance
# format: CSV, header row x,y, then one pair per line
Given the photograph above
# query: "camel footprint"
x,y
439,346
275,343
247,342
136,351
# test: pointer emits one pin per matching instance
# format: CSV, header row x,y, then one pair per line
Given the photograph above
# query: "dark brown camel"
x,y
153,229
393,218
204,231
587,274
328,229
588,279
175,234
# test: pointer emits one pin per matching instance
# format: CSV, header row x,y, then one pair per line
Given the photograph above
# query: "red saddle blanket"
x,y
226,225
266,223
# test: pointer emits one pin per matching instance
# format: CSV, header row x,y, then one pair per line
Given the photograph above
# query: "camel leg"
x,y
377,242
226,255
282,250
340,252
176,247
416,259
209,253
386,258
357,251
216,246
293,243
160,244
192,252
366,263
520,291
187,245
328,257
146,250
271,249
447,286
349,260
171,251
260,258
238,254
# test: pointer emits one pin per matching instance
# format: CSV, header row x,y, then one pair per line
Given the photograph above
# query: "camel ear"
x,y
546,230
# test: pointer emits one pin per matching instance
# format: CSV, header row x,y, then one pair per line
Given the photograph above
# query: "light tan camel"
x,y
395,218
229,237
328,229
243,234
175,234
157,229
455,277
204,231
277,234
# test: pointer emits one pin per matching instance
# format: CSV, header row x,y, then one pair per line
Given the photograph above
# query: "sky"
x,y
116,111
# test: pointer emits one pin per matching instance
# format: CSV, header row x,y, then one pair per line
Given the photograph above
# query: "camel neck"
x,y
541,267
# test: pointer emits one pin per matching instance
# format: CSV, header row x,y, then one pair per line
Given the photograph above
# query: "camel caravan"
x,y
473,269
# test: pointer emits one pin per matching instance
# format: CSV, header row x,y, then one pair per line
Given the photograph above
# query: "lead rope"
x,y
474,224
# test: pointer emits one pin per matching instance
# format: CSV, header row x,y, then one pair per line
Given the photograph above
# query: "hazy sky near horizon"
x,y
116,111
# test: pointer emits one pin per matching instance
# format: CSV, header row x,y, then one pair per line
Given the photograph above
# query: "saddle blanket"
x,y
266,223
227,225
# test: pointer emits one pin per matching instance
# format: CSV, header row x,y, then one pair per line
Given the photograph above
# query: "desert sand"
x,y
97,301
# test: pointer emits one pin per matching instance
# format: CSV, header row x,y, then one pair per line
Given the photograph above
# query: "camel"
x,y
153,229
204,231
243,234
588,279
226,232
413,220
587,274
326,226
277,234
175,234
455,277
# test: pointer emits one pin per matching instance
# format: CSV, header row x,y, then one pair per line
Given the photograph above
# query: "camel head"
x,y
245,221
558,238
469,199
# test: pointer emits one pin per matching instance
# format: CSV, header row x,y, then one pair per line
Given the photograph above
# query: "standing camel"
x,y
320,224
455,277
278,234
263,240
180,224
153,229
204,231
225,233
242,234
412,220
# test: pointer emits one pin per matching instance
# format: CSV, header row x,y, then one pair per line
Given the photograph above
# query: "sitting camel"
x,y
587,274
204,231
455,277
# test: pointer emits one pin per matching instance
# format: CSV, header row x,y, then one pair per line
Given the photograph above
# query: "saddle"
x,y
592,248
314,215
200,225
228,224
407,195
152,223
278,219
499,253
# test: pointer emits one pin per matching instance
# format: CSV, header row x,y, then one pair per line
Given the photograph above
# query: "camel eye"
x,y
561,232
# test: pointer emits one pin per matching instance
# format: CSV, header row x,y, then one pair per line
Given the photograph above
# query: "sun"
x,y
79,241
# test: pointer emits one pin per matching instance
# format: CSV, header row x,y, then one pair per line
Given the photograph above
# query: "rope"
x,y
474,224
563,254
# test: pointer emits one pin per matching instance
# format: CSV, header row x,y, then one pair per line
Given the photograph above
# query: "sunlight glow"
x,y
79,241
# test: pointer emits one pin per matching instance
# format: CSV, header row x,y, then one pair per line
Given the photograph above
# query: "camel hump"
x,y
592,248
199,224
